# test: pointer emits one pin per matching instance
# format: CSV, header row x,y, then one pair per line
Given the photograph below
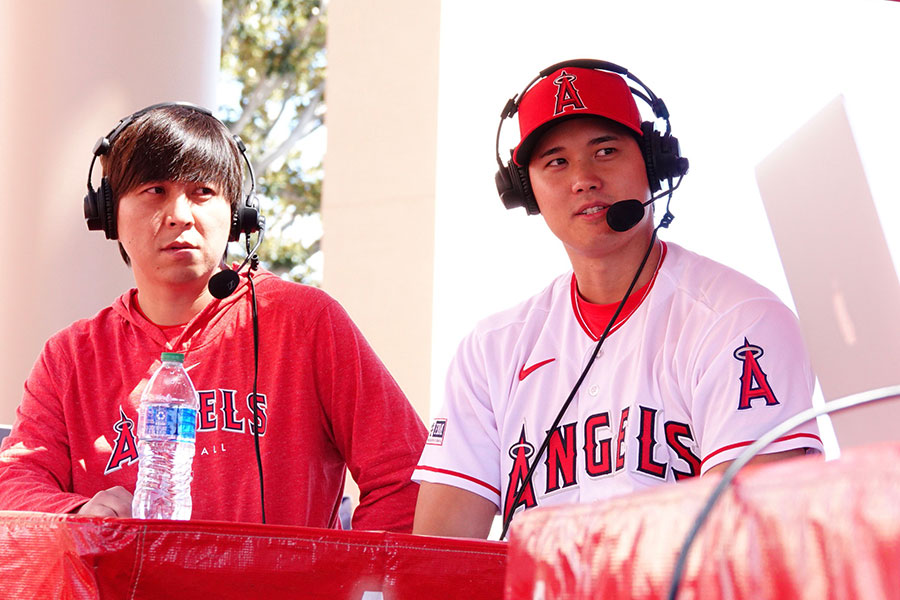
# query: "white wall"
x,y
738,78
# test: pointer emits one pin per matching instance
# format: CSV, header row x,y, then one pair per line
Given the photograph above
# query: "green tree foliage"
x,y
273,64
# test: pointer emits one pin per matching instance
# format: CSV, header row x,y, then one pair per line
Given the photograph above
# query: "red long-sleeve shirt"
x,y
327,402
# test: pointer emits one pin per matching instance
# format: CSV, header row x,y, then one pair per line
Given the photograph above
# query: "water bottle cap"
x,y
172,357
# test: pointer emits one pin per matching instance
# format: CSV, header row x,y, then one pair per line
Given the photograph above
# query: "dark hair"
x,y
174,143
538,133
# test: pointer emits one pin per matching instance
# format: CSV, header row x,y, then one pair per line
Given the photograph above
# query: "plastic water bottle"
x,y
167,429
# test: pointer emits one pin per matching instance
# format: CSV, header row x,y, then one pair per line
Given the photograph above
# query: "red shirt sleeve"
x,y
375,428
35,461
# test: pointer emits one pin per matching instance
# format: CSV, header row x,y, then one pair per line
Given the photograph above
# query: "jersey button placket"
x,y
591,385
590,403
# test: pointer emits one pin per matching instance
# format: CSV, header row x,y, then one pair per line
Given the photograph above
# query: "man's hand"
x,y
114,502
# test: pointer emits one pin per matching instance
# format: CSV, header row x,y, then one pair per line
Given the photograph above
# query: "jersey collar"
x,y
595,317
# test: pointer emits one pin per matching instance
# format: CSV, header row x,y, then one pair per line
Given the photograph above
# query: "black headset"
x,y
100,209
662,156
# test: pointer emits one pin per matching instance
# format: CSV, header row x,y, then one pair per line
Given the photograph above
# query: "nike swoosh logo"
x,y
191,367
523,372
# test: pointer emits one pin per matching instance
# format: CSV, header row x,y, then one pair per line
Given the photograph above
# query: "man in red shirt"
x,y
320,403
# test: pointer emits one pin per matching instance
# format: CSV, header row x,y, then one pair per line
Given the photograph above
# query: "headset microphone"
x,y
222,284
625,214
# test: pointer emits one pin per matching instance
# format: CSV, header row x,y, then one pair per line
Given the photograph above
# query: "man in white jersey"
x,y
694,365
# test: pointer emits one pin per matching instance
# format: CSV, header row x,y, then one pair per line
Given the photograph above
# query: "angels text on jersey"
x,y
597,447
219,410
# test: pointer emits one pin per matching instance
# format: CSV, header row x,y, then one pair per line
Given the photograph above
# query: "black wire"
x,y
256,419
753,449
533,467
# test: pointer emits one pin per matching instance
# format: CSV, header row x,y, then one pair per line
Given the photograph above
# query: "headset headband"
x,y
99,207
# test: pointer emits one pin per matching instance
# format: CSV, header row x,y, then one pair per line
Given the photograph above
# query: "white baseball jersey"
x,y
707,362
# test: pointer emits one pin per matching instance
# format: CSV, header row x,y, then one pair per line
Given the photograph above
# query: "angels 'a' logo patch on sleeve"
x,y
436,435
754,382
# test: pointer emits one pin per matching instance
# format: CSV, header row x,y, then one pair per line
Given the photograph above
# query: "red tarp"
x,y
798,529
55,556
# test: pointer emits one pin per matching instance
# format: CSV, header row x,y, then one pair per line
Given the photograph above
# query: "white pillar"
x,y
70,71
379,188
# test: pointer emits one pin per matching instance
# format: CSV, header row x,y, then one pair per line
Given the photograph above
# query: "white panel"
x,y
70,71
737,79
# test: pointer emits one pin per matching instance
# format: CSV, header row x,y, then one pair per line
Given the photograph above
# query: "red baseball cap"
x,y
573,92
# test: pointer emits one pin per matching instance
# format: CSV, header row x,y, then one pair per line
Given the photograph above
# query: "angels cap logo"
x,y
753,374
566,94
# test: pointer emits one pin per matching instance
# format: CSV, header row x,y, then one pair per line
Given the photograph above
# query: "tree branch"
x,y
255,99
284,102
300,130
229,20
311,23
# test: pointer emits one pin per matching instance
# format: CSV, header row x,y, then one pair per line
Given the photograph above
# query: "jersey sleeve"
x,y
35,461
751,372
463,446
375,428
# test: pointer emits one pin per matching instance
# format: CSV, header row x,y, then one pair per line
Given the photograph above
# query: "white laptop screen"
x,y
838,266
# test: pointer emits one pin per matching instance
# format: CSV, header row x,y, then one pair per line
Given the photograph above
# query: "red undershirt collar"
x,y
594,318
170,331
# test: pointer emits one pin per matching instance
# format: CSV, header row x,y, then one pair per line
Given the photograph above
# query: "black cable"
x,y
256,420
750,451
533,466
666,220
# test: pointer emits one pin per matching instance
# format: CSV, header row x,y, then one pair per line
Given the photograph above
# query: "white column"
x,y
70,71
378,201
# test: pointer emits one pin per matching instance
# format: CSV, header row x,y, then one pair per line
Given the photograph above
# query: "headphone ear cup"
x,y
662,156
107,210
528,199
648,144
245,218
669,162
235,232
504,188
514,188
91,212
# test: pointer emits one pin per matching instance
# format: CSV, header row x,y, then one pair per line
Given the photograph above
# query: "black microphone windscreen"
x,y
624,215
223,283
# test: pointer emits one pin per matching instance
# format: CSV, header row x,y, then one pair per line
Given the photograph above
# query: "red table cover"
x,y
798,529
57,556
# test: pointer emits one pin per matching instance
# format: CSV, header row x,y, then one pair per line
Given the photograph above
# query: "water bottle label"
x,y
187,424
175,423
